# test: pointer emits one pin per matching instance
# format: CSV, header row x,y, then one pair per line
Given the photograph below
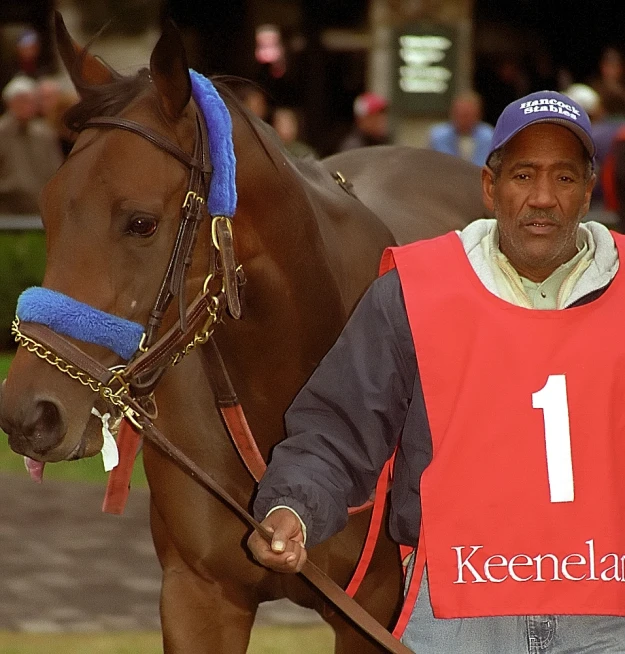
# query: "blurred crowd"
x,y
467,131
33,139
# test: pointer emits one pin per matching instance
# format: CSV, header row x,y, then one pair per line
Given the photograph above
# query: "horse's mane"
x,y
105,99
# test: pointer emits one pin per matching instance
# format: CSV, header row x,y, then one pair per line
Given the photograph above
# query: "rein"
x,y
129,387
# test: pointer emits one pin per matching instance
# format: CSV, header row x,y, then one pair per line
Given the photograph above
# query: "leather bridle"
x,y
129,388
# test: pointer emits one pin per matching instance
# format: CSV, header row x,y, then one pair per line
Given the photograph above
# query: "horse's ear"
x,y
170,71
82,66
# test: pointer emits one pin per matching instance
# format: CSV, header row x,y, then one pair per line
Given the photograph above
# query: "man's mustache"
x,y
540,216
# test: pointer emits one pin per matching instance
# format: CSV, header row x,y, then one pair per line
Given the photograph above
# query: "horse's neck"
x,y
326,233
189,414
308,251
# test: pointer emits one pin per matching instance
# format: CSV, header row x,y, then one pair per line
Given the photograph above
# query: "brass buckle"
x,y
190,197
217,219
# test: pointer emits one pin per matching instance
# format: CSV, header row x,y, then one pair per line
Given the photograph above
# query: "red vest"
x,y
523,505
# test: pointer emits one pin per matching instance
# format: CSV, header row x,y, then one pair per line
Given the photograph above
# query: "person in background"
x,y
254,99
603,130
286,124
54,101
465,134
370,123
587,98
29,149
612,171
28,52
611,71
489,361
270,51
608,121
24,60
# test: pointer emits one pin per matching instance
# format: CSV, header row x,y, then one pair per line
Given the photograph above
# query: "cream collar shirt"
x,y
593,267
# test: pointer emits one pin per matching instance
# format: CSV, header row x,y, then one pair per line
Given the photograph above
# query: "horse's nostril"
x,y
46,428
49,414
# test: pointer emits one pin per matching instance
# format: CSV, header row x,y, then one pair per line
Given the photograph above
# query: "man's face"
x,y
539,198
465,115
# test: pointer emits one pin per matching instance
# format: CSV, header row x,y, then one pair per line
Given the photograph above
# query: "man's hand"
x,y
286,553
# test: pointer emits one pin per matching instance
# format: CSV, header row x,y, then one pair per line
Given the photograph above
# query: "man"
x,y
608,119
491,359
286,123
29,149
464,135
370,123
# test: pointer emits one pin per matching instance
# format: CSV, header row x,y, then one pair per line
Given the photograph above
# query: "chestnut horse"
x,y
308,247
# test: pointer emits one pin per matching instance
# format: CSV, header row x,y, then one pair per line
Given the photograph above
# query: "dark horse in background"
x,y
308,247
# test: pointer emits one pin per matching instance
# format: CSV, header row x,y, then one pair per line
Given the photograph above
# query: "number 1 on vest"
x,y
553,400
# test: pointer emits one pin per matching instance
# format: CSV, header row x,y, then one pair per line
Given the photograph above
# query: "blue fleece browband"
x,y
75,319
222,197
69,317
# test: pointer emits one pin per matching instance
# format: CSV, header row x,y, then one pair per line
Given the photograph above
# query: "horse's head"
x,y
112,214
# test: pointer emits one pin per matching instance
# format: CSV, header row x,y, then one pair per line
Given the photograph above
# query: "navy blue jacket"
x,y
347,420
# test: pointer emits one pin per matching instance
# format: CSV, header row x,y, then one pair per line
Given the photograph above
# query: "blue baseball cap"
x,y
543,107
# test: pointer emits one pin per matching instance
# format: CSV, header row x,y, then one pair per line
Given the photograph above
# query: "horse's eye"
x,y
142,226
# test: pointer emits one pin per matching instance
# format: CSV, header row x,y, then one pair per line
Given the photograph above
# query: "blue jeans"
x,y
534,634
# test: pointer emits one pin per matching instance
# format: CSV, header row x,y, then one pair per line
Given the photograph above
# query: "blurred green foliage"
x,y
22,264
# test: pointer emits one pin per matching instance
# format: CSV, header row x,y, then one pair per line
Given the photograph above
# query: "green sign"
x,y
424,69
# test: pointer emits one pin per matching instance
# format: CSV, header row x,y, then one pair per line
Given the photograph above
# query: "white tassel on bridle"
x,y
110,454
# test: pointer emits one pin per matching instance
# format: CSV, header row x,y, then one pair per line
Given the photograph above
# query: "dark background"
x,y
542,42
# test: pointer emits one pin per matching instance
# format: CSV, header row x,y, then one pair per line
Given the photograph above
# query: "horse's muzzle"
x,y
39,429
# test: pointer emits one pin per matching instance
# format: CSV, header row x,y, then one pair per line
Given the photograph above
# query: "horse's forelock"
x,y
105,99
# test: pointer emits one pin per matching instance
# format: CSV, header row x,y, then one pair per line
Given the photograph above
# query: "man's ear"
x,y
488,189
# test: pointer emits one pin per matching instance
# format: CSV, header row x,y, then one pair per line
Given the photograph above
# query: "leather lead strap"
x,y
310,571
67,351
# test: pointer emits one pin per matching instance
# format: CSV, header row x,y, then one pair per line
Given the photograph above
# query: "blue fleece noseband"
x,y
69,317
75,319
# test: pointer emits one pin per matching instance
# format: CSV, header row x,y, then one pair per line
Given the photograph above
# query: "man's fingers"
x,y
285,552
290,559
278,544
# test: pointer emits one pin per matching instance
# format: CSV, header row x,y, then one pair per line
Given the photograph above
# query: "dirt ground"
x,y
67,567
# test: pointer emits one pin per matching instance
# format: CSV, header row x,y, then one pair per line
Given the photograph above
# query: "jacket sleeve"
x,y
346,421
